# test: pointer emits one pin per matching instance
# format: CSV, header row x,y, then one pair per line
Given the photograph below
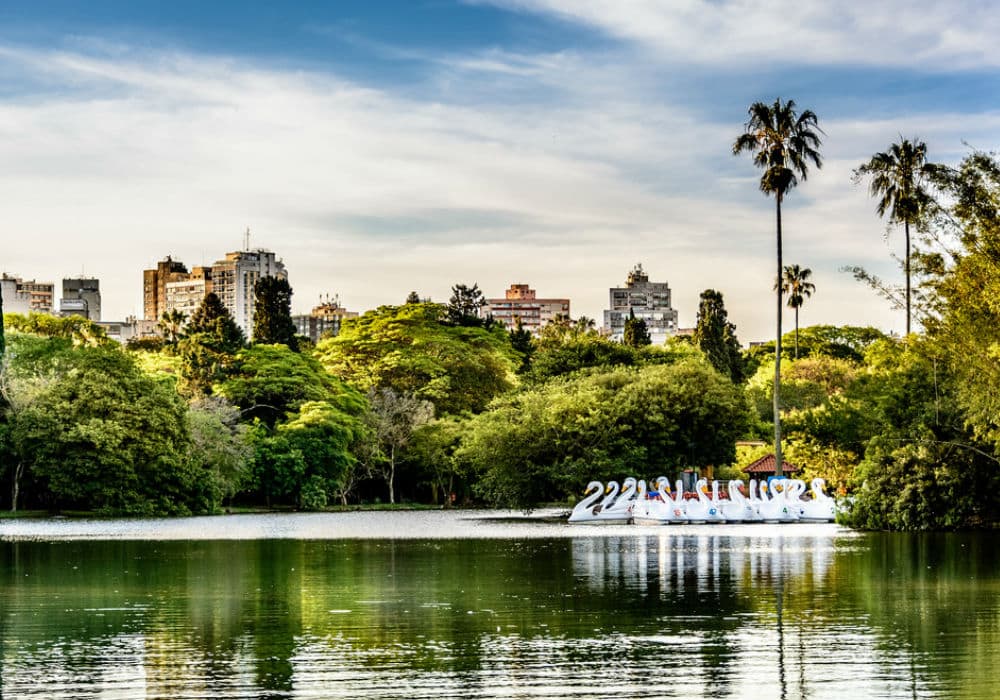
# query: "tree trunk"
x,y
392,473
18,473
796,332
777,357
906,228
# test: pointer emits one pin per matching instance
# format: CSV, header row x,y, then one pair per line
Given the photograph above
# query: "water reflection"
x,y
670,614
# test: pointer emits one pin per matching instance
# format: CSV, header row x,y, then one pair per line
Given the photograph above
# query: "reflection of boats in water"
x,y
674,560
778,500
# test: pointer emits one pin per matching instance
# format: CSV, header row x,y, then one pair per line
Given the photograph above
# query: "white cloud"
x,y
904,33
373,192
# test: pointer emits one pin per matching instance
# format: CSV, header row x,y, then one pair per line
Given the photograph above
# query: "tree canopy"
x,y
413,349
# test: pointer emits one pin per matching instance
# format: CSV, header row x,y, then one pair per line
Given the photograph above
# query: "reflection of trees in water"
x,y
449,616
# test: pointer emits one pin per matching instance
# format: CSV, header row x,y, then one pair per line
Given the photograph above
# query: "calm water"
x,y
433,605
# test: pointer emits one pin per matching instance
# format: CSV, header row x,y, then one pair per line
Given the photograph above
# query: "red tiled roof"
x,y
766,465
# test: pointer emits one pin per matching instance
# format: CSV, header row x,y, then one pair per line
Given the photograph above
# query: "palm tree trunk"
x,y
906,228
777,356
796,332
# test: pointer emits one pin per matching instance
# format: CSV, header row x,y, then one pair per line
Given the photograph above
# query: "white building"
x,y
649,301
26,296
233,281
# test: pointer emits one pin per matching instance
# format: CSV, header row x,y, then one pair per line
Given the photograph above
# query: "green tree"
x,y
465,305
171,324
100,435
782,142
795,283
219,447
899,181
272,313
966,286
412,298
392,419
79,330
715,335
267,382
543,443
219,330
413,349
636,333
324,435
520,340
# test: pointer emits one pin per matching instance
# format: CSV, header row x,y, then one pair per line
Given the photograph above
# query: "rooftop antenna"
x,y
246,240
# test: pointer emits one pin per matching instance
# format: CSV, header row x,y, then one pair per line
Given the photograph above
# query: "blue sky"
x,y
380,147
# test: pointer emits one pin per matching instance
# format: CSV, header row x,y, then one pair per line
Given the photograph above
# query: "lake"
x,y
491,604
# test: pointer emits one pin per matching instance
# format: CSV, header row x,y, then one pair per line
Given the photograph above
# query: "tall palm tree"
x,y
898,181
795,283
782,142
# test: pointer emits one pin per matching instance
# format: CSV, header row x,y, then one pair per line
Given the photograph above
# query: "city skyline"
x,y
383,148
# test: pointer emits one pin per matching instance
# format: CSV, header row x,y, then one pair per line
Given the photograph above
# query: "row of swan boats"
x,y
774,501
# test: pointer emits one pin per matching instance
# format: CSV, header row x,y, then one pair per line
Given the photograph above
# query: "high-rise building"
x,y
324,320
154,286
233,281
520,303
186,293
26,296
649,301
81,296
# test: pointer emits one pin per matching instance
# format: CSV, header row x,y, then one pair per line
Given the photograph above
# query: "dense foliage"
x,y
415,349
546,442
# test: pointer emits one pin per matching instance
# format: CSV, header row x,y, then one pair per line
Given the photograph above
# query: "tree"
x,y
101,435
272,313
465,305
899,179
413,349
171,324
267,382
795,283
520,340
782,142
636,333
3,337
218,329
412,298
545,442
716,336
392,418
219,447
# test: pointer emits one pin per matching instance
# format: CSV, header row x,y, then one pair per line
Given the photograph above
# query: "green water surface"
x,y
670,614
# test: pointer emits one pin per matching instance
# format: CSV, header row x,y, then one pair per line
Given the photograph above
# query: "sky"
x,y
383,147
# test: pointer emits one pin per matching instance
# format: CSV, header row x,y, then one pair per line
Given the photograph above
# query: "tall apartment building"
x,y
81,296
649,301
154,286
233,281
520,303
26,296
186,292
324,320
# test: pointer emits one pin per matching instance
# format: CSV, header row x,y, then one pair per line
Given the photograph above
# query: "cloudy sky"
x,y
382,147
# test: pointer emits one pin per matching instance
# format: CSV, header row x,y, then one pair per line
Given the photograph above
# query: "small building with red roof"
x,y
765,467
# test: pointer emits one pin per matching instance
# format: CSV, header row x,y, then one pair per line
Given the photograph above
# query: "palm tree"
x,y
795,283
782,142
898,182
172,325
